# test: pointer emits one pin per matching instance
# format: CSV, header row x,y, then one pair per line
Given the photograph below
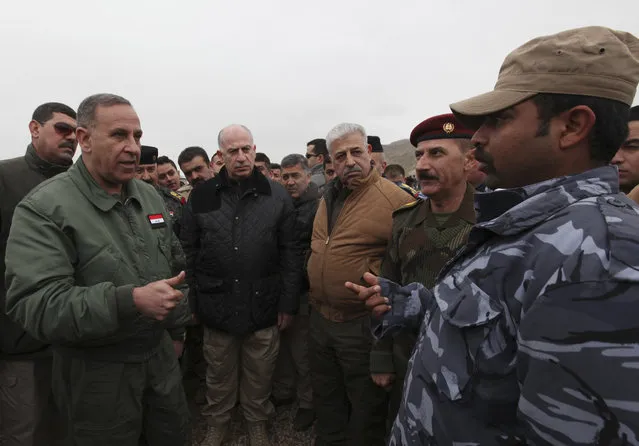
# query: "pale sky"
x,y
289,70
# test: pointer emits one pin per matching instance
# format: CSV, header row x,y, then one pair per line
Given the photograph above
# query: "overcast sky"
x,y
287,69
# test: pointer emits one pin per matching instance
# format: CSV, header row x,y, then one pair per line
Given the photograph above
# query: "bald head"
x,y
231,132
237,150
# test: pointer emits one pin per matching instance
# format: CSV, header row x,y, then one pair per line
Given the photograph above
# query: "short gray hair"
x,y
220,136
87,108
341,130
295,159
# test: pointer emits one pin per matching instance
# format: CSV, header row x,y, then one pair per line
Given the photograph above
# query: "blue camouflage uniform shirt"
x,y
531,335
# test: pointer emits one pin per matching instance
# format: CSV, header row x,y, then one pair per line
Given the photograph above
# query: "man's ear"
x,y
370,149
84,139
576,125
470,162
34,129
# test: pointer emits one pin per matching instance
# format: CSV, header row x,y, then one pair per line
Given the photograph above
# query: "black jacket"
x,y
305,210
17,177
243,260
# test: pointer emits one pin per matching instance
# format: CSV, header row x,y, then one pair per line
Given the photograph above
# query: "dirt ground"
x,y
281,430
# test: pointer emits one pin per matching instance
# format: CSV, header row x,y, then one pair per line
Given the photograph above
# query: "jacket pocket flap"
x,y
463,304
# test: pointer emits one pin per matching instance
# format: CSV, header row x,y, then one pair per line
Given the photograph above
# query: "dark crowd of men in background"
x,y
487,307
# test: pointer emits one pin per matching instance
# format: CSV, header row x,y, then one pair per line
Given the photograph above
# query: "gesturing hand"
x,y
157,299
375,303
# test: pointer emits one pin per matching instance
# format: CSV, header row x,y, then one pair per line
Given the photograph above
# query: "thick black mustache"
x,y
423,175
482,156
67,144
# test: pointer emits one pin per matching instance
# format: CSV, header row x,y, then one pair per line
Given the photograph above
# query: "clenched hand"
x,y
157,299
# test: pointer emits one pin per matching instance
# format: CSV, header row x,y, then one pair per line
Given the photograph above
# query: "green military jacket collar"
x,y
104,201
466,211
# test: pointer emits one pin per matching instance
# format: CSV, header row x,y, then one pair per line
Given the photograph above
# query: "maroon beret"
x,y
440,127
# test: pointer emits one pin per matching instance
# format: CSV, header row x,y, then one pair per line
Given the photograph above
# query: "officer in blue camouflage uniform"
x,y
148,172
426,233
531,334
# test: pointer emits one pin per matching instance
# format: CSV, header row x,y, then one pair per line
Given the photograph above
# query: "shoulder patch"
x,y
410,205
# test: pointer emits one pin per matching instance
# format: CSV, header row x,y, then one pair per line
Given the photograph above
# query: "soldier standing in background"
x,y
28,416
317,154
168,174
627,157
147,171
377,155
292,375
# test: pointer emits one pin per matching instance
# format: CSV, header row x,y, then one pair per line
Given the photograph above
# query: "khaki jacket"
x,y
356,245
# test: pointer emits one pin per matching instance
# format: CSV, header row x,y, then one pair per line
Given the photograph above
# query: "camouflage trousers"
x,y
349,407
117,404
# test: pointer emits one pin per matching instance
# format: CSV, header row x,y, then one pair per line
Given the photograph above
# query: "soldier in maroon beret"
x,y
426,233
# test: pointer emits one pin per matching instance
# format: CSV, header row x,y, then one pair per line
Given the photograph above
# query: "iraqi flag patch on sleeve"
x,y
156,220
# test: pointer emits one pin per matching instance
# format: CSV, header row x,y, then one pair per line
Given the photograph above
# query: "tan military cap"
x,y
591,61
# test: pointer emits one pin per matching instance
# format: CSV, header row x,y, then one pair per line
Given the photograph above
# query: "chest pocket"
x,y
469,349
101,267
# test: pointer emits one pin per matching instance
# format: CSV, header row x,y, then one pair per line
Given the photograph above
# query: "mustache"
x,y
352,169
480,155
67,144
423,175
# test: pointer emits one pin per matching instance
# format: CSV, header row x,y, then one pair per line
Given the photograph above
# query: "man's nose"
x,y
350,161
617,159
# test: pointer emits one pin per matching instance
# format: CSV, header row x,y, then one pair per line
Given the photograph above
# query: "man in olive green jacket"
x,y
94,268
28,416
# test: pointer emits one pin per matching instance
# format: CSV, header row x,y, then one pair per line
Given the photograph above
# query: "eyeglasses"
x,y
63,129
310,155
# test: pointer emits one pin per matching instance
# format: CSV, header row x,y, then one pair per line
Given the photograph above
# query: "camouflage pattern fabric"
x,y
531,335
174,203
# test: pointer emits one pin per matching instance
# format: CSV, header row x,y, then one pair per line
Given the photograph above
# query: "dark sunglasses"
x,y
63,129
310,155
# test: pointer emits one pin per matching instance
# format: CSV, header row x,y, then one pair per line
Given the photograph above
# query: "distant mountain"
x,y
401,152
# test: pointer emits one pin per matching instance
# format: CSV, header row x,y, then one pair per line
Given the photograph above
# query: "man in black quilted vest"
x,y
244,270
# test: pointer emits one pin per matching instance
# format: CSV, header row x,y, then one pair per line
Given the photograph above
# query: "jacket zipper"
x,y
328,237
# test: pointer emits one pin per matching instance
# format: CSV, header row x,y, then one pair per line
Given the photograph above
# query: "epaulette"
x,y
410,190
175,195
410,205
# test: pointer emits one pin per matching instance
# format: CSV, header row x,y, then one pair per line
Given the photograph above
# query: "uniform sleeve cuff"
x,y
124,299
